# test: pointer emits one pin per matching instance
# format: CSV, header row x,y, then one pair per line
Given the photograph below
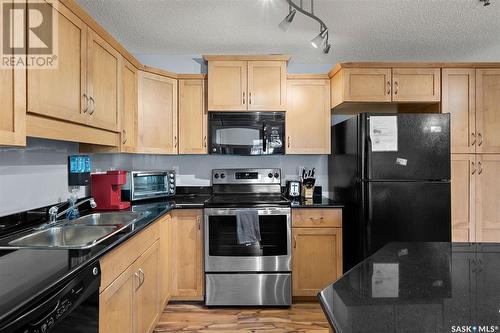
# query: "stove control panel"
x,y
246,176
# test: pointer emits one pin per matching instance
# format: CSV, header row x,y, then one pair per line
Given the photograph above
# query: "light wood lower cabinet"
x,y
488,198
166,253
308,117
193,116
148,291
463,189
316,249
157,114
187,255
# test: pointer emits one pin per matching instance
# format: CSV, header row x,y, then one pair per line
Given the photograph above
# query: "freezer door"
x,y
406,212
422,151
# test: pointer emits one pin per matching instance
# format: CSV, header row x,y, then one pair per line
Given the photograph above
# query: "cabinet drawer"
x,y
117,261
317,217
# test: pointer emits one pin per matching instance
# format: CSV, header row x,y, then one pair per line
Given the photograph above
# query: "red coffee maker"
x,y
107,190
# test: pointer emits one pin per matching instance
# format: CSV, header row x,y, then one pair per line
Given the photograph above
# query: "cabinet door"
x,y
316,259
117,304
148,293
188,256
488,110
192,117
13,108
267,85
488,198
157,116
227,85
165,259
128,107
416,84
308,117
463,177
104,69
459,99
61,93
366,84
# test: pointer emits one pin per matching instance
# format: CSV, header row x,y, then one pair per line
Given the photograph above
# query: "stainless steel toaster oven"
x,y
143,185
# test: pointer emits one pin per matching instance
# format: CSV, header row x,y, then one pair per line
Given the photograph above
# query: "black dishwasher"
x,y
71,307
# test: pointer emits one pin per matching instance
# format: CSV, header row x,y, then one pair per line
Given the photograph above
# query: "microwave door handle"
x,y
264,136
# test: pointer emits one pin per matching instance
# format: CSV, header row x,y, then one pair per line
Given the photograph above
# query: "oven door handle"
x,y
232,211
264,136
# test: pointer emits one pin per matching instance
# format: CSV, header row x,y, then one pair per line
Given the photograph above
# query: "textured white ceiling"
x,y
361,30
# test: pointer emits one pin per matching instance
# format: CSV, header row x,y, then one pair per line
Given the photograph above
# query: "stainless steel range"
x,y
248,274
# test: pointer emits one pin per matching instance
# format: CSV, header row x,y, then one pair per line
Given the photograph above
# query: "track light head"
x,y
319,39
285,24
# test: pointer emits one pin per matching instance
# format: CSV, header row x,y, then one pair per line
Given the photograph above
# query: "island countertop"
x,y
419,287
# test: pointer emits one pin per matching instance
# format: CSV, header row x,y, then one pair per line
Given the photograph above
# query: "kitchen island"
x,y
419,287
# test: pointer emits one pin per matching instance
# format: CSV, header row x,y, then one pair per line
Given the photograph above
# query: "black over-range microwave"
x,y
246,133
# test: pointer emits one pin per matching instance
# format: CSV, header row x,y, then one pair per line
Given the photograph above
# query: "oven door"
x,y
249,133
224,254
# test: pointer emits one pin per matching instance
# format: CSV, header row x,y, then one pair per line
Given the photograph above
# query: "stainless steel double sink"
x,y
82,233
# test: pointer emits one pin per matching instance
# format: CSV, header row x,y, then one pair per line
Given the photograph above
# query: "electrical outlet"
x,y
299,170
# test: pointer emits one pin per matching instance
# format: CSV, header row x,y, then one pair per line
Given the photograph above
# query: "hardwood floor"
x,y
190,317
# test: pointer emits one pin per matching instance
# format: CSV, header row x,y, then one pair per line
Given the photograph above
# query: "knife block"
x,y
307,192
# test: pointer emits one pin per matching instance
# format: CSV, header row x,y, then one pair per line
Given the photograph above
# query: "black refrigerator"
x,y
392,172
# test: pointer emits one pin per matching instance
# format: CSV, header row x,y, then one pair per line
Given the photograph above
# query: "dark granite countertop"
x,y
316,202
28,273
419,287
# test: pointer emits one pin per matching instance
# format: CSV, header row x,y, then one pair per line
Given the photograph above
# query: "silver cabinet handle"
x,y
480,170
473,168
205,141
249,98
389,87
143,277
86,99
175,141
288,142
198,219
93,106
480,138
317,219
473,135
396,87
124,137
243,97
294,241
136,274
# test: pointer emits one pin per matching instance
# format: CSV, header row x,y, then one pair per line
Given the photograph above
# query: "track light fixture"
x,y
320,40
485,2
285,24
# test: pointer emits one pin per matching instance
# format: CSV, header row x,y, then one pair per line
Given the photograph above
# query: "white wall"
x,y
34,176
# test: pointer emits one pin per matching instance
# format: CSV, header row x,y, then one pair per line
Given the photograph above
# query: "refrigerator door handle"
x,y
368,157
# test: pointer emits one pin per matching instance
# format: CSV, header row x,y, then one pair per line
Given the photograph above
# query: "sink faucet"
x,y
54,211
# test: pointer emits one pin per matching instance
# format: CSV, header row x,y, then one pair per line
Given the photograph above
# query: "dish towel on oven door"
x,y
247,227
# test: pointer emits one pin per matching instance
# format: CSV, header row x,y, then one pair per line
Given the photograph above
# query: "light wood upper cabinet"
x,y
117,304
148,293
13,107
308,117
316,259
416,84
157,114
128,107
188,254
104,77
458,99
241,85
227,85
192,116
463,187
488,198
488,110
361,85
62,93
267,85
